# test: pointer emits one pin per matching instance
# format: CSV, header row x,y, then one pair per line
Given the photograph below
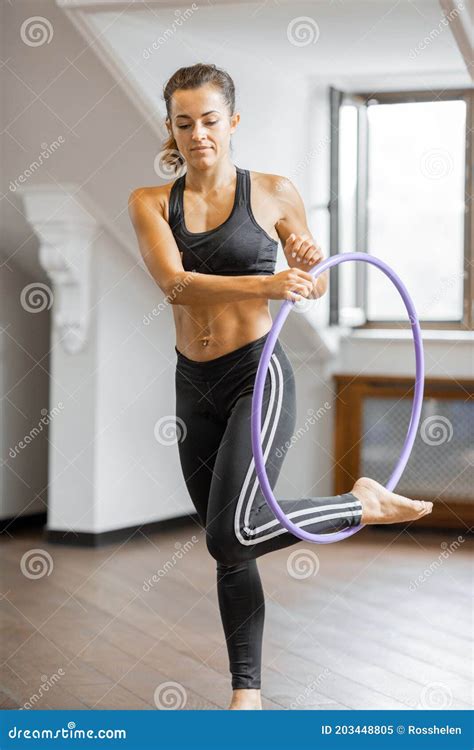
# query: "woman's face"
x,y
201,125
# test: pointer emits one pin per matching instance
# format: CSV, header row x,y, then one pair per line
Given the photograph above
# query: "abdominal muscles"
x,y
204,332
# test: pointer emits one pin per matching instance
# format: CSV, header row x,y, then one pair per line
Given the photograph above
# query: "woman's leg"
x,y
200,430
242,608
239,589
240,524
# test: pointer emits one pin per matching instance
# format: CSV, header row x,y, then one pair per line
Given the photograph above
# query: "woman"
x,y
210,239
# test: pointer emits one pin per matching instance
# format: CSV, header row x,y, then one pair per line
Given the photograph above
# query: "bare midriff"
x,y
204,332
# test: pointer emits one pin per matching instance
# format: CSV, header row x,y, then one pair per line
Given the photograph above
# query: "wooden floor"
x,y
362,633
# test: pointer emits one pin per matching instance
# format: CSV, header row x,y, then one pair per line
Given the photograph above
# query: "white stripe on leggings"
x,y
251,472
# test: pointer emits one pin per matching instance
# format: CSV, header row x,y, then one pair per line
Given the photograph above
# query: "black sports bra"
x,y
237,247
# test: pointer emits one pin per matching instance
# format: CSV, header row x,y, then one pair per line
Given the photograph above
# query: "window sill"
x,y
405,334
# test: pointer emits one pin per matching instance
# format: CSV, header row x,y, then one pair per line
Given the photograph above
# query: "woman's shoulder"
x,y
153,192
151,196
274,185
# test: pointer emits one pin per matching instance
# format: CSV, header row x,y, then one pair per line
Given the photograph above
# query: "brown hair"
x,y
193,77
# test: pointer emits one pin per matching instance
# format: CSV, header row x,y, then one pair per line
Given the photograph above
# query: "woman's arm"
x,y
162,258
292,228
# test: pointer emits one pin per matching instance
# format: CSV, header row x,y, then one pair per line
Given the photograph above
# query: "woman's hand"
x,y
291,284
301,252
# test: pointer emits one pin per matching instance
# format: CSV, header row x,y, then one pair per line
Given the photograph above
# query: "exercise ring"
x,y
256,416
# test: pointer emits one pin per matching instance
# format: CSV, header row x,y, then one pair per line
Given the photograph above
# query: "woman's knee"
x,y
225,548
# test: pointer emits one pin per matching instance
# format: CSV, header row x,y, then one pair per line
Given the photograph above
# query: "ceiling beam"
x,y
461,21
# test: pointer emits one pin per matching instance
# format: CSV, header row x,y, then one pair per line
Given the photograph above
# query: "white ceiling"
x,y
371,40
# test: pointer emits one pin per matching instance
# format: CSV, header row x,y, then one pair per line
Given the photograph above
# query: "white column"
x,y
66,231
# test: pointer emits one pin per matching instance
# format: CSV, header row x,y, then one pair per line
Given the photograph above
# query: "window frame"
x,y
363,100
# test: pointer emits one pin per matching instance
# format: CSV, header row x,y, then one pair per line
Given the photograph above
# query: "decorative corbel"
x,y
66,231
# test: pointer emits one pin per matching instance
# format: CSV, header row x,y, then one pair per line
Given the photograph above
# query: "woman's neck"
x,y
215,178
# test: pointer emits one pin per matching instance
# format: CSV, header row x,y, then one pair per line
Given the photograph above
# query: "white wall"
x,y
110,471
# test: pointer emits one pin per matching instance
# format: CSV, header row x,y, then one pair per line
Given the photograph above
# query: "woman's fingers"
x,y
304,288
302,247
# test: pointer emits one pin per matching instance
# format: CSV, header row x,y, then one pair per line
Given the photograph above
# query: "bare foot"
x,y
381,506
247,699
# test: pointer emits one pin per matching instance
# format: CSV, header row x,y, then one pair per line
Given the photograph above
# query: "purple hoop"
x,y
256,416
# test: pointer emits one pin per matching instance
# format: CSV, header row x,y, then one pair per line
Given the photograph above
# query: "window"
x,y
401,185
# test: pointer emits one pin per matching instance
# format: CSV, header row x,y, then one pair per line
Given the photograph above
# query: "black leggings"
x,y
213,409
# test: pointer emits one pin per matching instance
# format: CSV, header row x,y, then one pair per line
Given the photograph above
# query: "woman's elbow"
x,y
175,287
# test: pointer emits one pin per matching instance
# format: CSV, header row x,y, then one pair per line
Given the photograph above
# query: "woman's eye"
x,y
183,127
